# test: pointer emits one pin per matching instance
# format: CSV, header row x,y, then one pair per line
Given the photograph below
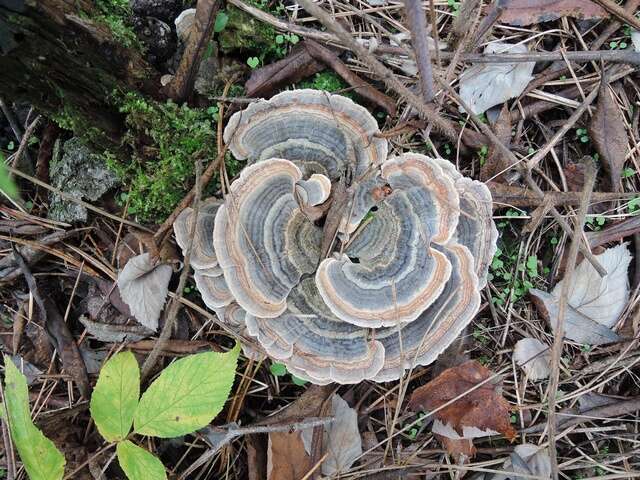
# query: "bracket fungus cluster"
x,y
344,264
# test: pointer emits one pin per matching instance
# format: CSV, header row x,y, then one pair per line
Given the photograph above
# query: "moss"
x,y
166,139
327,81
117,15
244,33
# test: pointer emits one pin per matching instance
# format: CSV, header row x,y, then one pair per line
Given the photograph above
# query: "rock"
x,y
165,10
81,174
156,36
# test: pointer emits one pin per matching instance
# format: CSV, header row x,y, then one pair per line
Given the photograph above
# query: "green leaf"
x,y
138,464
41,459
221,21
278,369
253,62
6,183
298,381
187,395
115,397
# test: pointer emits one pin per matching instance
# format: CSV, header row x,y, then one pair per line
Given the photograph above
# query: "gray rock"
x,y
81,174
165,10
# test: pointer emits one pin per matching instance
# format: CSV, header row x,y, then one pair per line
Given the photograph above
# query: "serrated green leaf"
x,y
187,395
138,464
41,459
115,397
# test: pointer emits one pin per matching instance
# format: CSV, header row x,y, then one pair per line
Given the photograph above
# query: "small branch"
x,y
619,12
25,140
233,431
558,339
71,198
386,75
419,36
610,56
361,87
174,308
495,141
507,195
181,87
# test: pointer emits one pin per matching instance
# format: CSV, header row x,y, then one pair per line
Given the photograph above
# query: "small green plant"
x,y
628,172
253,62
221,21
280,370
482,154
455,5
185,397
326,81
634,205
618,45
582,134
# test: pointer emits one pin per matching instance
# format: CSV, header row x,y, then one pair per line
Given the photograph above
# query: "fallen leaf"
x,y
112,333
496,164
296,66
526,459
480,412
341,438
594,303
527,12
483,86
635,39
609,135
286,457
533,357
144,286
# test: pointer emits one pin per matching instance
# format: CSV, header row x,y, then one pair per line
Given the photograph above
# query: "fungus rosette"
x,y
344,264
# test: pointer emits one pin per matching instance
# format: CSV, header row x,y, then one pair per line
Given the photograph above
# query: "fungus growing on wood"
x,y
341,263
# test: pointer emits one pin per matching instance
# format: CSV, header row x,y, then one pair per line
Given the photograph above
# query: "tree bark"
x,y
57,59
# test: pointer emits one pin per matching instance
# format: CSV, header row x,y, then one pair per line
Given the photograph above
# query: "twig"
x,y
566,126
610,56
174,308
386,75
419,36
619,12
184,80
361,87
558,339
617,409
508,195
70,198
233,431
25,140
495,141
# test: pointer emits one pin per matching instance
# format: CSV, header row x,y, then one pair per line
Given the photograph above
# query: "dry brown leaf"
x,y
496,163
482,409
143,286
609,135
574,173
594,303
341,438
533,357
286,457
527,12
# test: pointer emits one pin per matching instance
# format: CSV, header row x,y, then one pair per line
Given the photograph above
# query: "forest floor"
x,y
569,100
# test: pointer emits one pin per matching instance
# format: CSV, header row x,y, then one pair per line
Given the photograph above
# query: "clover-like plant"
x,y
344,264
185,397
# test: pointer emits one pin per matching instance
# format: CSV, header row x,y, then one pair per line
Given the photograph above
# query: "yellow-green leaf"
x,y
187,395
138,464
41,459
115,397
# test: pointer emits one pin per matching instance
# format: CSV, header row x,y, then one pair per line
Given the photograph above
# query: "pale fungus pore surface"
x,y
411,245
